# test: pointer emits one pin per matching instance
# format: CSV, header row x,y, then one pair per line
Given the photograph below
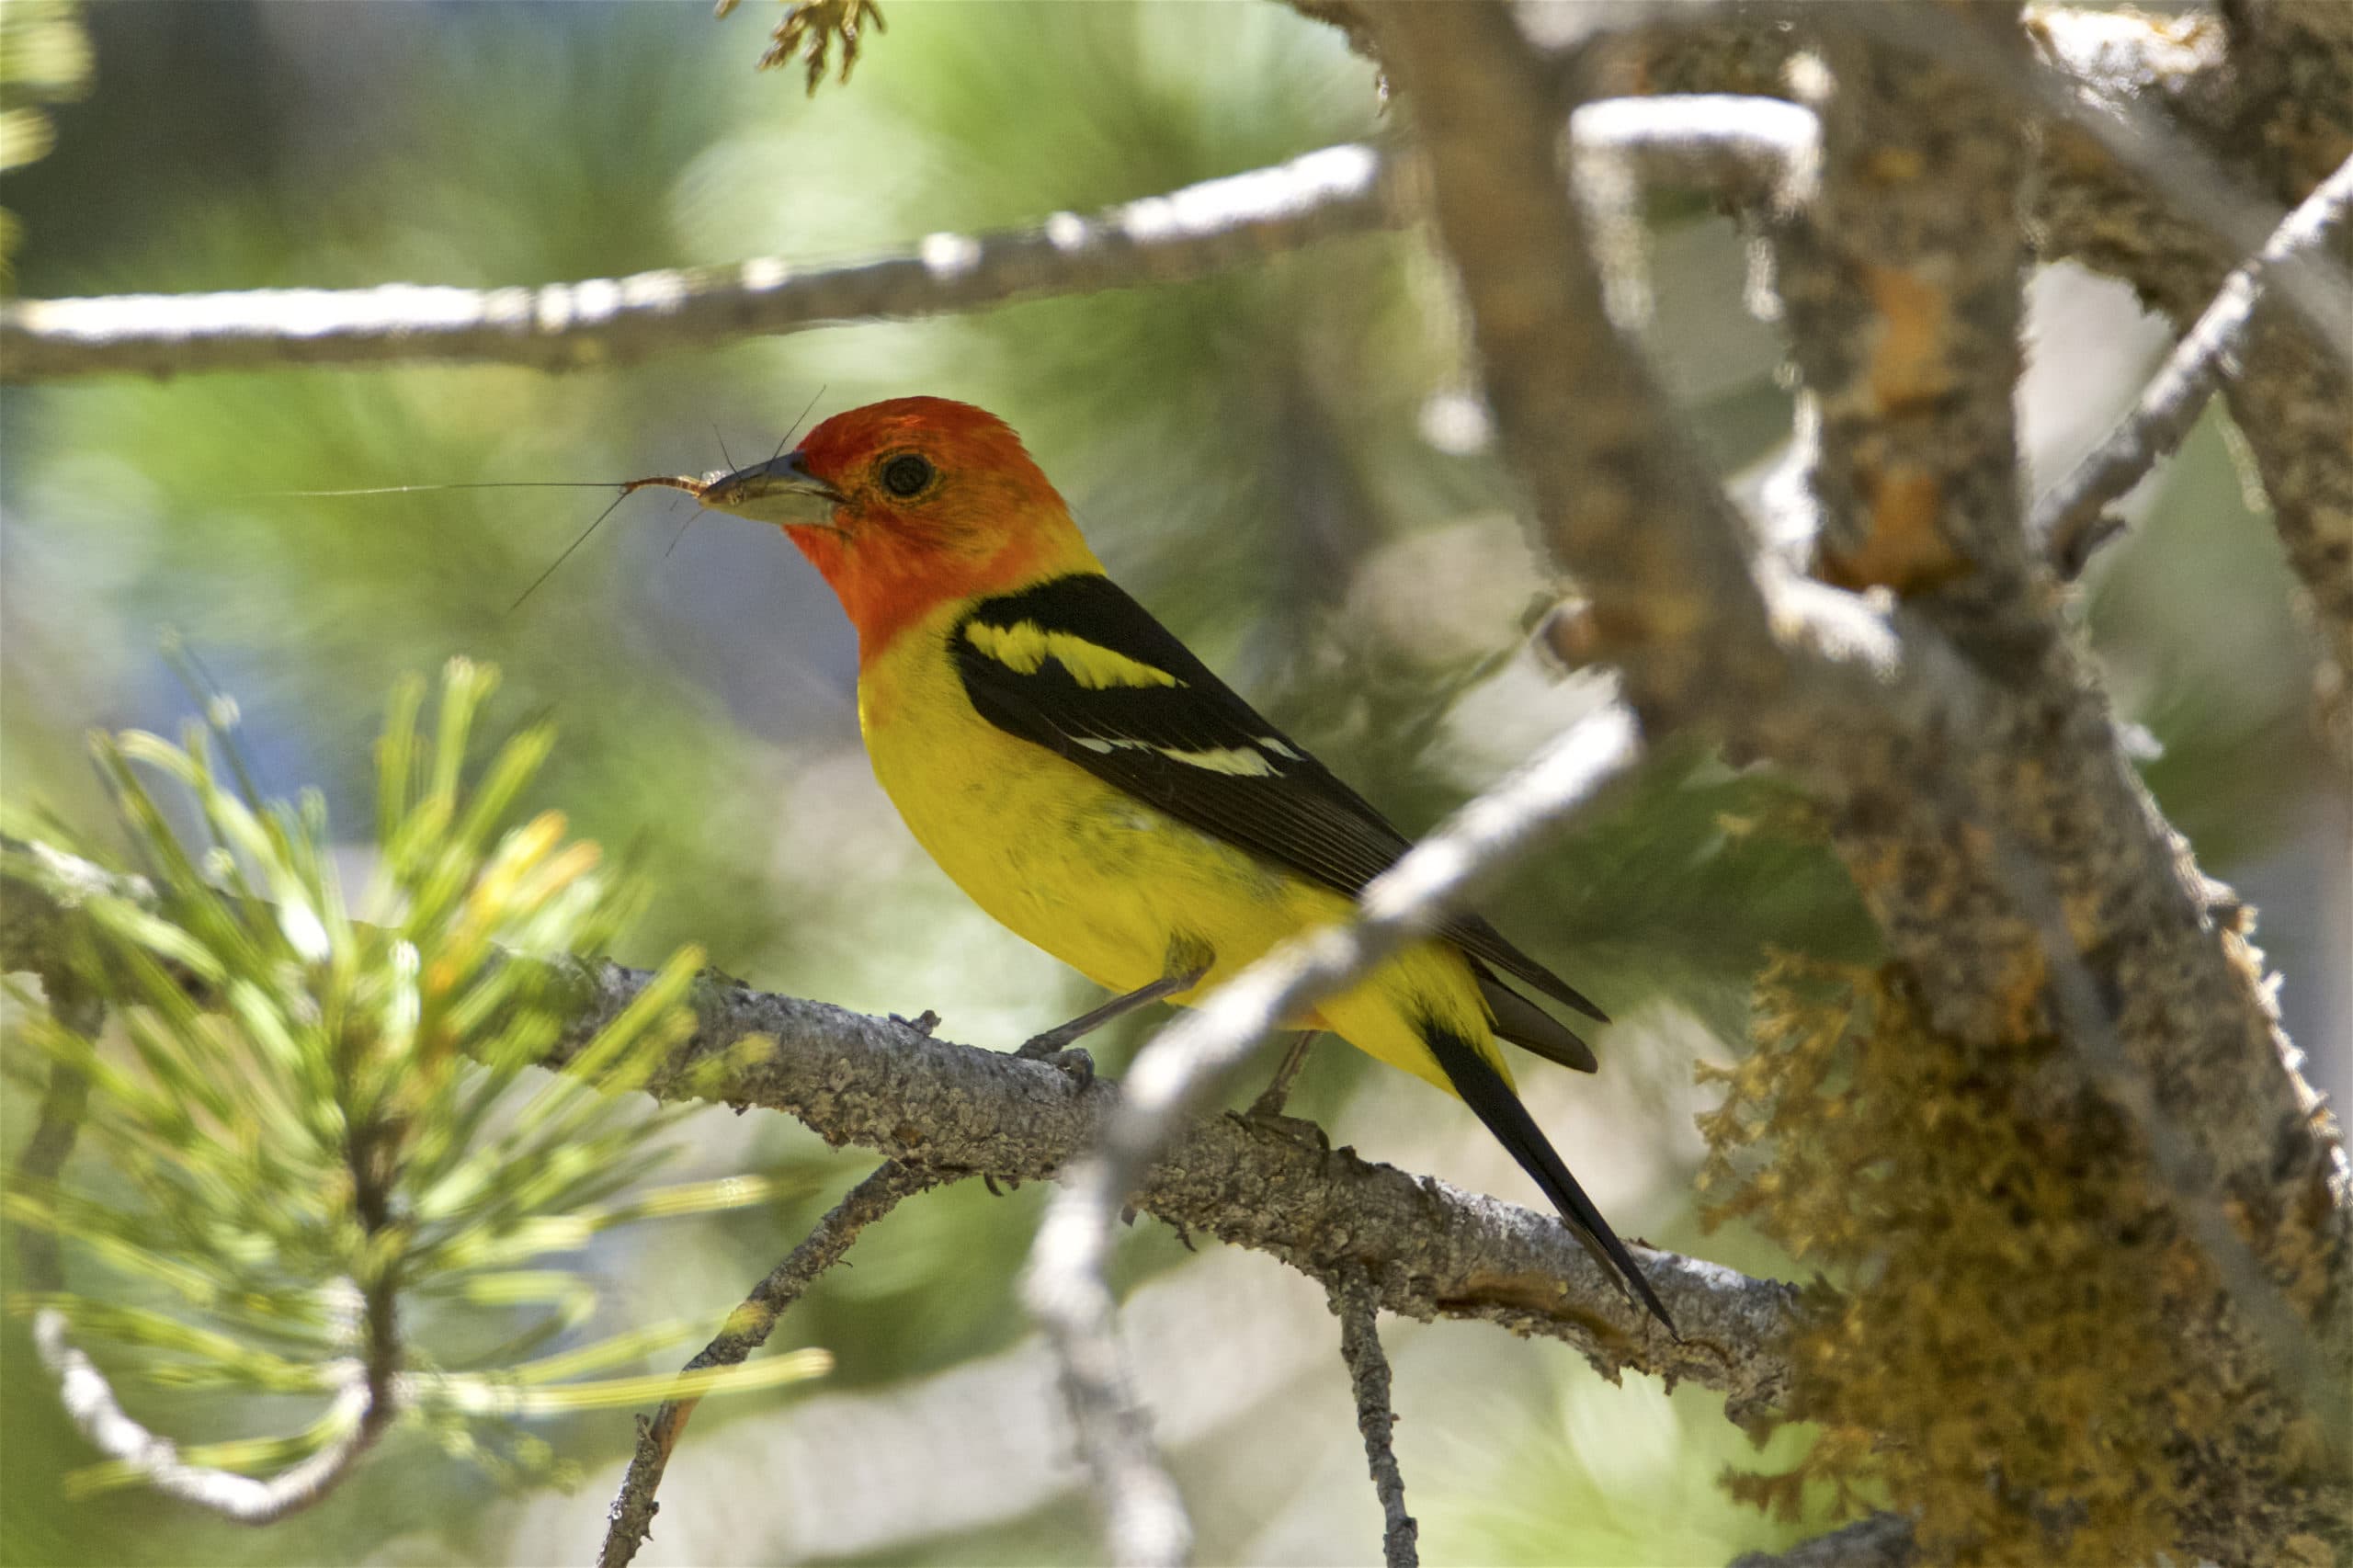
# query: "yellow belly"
x,y
1118,890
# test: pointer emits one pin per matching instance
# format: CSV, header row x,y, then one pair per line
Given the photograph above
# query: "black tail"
x,y
1483,1090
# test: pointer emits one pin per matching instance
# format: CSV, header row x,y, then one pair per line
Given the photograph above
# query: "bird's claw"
x,y
1075,1062
1296,1130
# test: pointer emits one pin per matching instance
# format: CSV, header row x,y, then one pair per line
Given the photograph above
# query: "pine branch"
x,y
1434,1250
362,1408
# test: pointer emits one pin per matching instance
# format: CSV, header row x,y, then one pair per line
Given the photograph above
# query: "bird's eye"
x,y
906,474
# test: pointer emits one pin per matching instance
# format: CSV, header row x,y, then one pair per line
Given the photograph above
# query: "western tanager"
x,y
1093,786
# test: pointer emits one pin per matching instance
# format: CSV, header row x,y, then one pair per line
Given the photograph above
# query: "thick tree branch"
x,y
631,1518
1432,1250
1904,314
1192,232
2021,726
2090,1028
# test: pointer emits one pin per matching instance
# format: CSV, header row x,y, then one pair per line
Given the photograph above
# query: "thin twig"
x,y
2300,1370
1066,1289
1353,1303
2070,518
89,1402
1186,234
631,1519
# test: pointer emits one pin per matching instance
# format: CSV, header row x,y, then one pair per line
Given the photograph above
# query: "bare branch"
x,y
1352,1303
2278,99
359,1414
1192,232
631,1519
1176,1071
2068,519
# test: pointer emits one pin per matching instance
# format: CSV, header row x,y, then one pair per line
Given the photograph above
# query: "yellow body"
x,y
1120,892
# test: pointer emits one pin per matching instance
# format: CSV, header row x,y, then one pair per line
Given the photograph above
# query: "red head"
x,y
910,503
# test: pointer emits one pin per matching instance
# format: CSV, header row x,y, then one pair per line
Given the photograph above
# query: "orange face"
x,y
910,503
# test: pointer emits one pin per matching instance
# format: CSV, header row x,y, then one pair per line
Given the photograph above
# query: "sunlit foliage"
x,y
320,1157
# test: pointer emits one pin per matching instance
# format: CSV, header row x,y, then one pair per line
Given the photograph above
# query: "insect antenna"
x,y
792,428
694,487
682,531
424,489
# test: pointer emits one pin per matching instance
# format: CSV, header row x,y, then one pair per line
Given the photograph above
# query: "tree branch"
x,y
1188,233
2090,1028
2274,91
1192,232
2070,520
631,1518
2268,87
1431,1249
1352,1303
2018,719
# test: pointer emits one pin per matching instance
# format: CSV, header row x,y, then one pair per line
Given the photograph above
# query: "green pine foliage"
x,y
320,1156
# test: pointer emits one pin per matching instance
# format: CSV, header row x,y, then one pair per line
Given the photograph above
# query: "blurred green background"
x,y
1286,463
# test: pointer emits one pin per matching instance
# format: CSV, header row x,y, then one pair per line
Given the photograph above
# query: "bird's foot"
x,y
1298,1129
1075,1061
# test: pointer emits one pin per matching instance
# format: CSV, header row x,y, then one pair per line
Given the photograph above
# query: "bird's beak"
x,y
781,491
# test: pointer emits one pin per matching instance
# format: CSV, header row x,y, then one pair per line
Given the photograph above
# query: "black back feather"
x,y
1282,805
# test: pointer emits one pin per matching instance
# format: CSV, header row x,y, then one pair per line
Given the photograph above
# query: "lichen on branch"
x,y
2003,1351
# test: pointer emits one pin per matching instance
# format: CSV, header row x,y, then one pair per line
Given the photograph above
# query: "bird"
x,y
1093,786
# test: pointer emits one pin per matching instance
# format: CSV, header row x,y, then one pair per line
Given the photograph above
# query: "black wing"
x,y
1077,666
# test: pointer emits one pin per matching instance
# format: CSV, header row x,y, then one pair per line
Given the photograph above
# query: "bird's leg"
x,y
1266,1110
1271,1099
1051,1046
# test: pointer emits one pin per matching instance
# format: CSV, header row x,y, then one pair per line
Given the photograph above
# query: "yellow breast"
x,y
1118,890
